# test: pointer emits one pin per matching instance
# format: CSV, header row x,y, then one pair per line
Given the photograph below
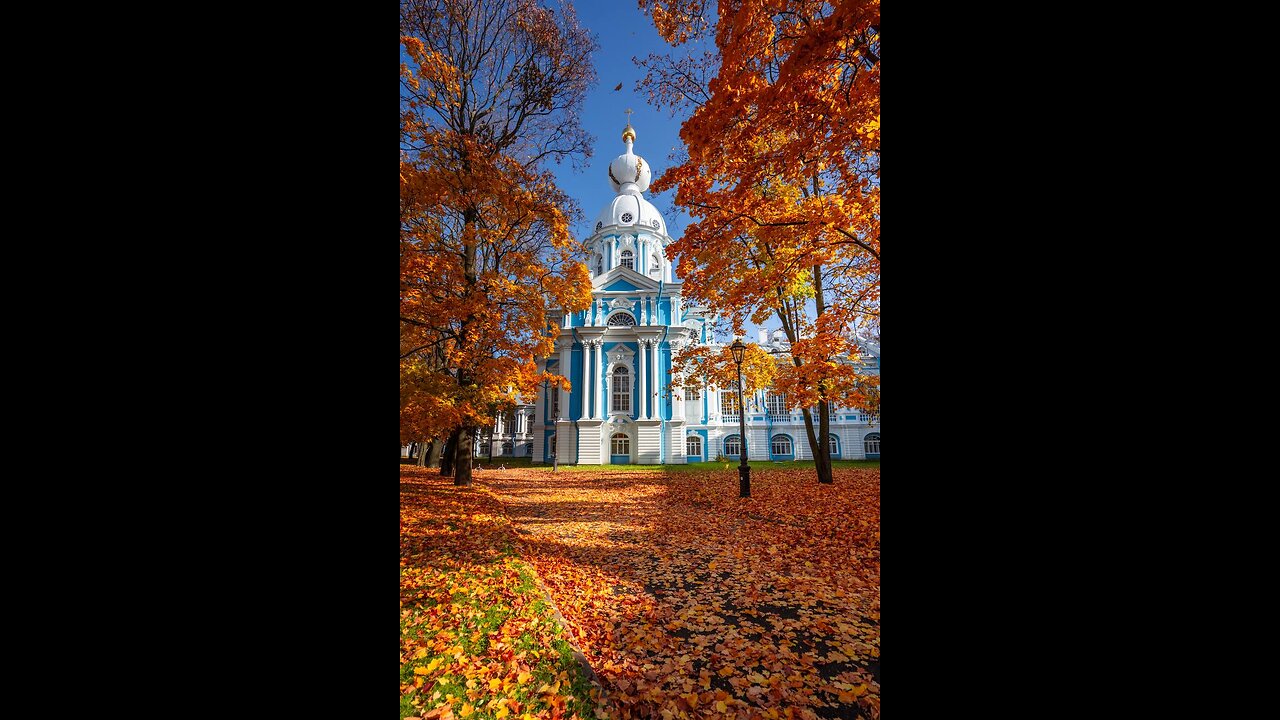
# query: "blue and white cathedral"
x,y
624,412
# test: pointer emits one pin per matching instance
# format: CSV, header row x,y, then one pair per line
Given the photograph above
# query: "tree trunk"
x,y
822,454
433,455
462,458
447,457
422,453
823,459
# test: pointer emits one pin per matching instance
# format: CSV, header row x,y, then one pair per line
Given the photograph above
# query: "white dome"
x,y
629,171
631,212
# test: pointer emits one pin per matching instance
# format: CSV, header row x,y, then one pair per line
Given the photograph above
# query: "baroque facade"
x,y
617,356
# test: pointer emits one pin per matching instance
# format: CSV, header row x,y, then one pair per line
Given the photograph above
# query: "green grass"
x,y
707,466
468,601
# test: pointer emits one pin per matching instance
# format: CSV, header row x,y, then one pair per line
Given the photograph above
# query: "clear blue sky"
x,y
624,32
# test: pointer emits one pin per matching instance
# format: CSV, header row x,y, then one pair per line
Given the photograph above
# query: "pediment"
x,y
621,279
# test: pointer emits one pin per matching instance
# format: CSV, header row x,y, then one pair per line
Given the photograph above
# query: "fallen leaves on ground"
x,y
476,639
689,601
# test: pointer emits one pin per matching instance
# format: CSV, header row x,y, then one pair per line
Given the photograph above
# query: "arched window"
x,y
733,446
621,390
621,319
693,446
620,444
728,403
599,265
780,445
655,266
871,444
834,443
628,260
507,447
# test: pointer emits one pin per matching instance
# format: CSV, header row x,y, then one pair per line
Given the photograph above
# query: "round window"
x,y
627,217
654,223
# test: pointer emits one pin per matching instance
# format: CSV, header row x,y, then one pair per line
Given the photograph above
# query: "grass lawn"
x,y
525,462
477,641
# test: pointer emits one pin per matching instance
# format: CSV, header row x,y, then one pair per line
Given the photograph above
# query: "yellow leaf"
x,y
431,666
420,671
494,684
524,677
422,652
467,709
721,706
756,678
726,671
711,565
502,712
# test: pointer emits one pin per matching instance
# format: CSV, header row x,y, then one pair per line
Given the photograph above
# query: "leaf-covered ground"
x,y
476,639
689,601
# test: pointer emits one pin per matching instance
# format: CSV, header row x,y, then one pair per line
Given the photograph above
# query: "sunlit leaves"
x,y
782,173
476,637
490,91
688,600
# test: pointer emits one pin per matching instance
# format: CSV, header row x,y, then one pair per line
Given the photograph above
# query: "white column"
x,y
643,413
604,409
586,380
655,387
649,303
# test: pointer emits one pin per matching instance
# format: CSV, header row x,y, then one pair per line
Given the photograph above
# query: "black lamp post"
x,y
744,470
555,456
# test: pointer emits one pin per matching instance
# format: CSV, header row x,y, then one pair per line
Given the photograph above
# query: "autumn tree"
x,y
490,93
782,177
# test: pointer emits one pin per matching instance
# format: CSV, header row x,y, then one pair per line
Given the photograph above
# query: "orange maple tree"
x,y
490,92
782,176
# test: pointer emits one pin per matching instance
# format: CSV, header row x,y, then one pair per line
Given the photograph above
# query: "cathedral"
x,y
617,355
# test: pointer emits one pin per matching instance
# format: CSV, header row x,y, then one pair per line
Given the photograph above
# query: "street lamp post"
x,y
744,470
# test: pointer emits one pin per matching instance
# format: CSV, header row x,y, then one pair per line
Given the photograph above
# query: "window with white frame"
x,y
555,404
693,446
777,404
781,445
728,402
733,445
628,260
834,444
871,443
621,444
621,390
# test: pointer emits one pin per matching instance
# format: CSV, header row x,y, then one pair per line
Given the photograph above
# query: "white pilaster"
x,y
643,413
586,381
654,389
604,409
